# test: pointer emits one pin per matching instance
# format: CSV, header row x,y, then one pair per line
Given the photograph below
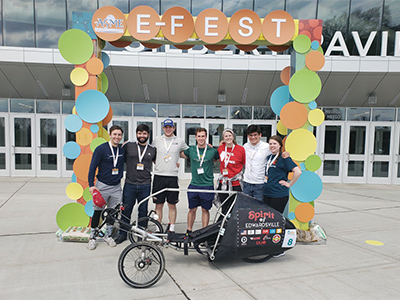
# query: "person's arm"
x,y
96,159
182,155
285,154
216,156
296,174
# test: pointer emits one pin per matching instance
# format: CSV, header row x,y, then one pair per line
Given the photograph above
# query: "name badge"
x,y
140,167
114,171
200,171
266,179
225,172
167,158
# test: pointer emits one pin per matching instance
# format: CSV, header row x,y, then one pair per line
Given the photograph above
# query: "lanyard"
x,y
255,152
165,144
198,155
115,158
141,155
227,157
269,163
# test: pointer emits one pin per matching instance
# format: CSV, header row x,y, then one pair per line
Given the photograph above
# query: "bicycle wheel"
x,y
141,265
153,226
258,258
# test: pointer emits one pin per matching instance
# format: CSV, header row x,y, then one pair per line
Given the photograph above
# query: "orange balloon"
x,y
278,27
294,115
184,47
81,166
121,44
246,48
285,75
315,61
304,212
277,48
151,45
108,118
215,47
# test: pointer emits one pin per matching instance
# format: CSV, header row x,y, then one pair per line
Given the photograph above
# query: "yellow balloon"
x,y
301,143
74,191
84,137
79,76
316,117
281,128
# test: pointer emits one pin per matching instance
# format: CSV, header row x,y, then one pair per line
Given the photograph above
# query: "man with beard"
x,y
139,157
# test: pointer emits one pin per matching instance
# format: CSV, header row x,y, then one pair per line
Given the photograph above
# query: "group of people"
x,y
258,169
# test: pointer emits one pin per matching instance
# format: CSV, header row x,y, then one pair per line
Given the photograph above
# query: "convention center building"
x,y
359,141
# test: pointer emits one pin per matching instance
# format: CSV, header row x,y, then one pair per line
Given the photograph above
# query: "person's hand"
x,y
92,189
221,143
177,165
285,154
284,183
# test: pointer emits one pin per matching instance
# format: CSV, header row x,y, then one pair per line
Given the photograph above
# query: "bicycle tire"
x,y
258,258
141,265
153,226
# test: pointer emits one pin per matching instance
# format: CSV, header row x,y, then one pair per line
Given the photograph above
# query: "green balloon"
x,y
76,46
104,83
313,163
87,195
96,142
72,214
302,43
305,86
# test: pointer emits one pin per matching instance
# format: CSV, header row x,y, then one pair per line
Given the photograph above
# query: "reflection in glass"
x,y
22,132
216,112
144,110
331,168
230,7
382,140
380,169
190,140
67,107
199,6
263,8
391,21
332,139
358,114
214,137
50,22
304,9
79,5
18,23
355,169
48,162
334,113
265,132
48,133
1,25
240,131
122,5
2,161
121,109
192,111
3,102
241,112
383,114
152,3
166,4
125,127
69,164
48,106
150,124
169,111
2,132
22,105
69,136
357,140
264,113
23,161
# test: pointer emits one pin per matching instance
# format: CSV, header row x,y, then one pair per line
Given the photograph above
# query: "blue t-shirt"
x,y
103,160
278,171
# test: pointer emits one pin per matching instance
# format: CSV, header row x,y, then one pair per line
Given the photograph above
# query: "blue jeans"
x,y
134,193
254,190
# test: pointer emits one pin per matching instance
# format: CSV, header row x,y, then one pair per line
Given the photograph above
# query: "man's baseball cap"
x,y
168,122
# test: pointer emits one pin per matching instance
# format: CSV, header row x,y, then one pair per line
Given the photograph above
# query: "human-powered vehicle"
x,y
243,228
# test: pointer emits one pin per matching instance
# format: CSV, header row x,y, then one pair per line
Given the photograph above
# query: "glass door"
x,y
189,128
4,146
151,122
126,124
330,149
23,158
356,155
396,158
381,153
48,146
66,163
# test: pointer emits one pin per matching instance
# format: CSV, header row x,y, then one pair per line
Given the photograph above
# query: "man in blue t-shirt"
x,y
202,158
108,159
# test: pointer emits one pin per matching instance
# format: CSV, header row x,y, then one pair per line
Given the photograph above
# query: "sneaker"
x,y
120,239
279,254
92,244
109,241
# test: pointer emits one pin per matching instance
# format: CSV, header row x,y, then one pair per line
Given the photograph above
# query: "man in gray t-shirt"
x,y
139,157
169,148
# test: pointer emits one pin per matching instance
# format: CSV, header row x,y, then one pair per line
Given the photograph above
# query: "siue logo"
x,y
109,25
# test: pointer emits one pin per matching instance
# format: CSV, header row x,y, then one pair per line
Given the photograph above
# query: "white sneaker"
x,y
279,254
110,241
92,244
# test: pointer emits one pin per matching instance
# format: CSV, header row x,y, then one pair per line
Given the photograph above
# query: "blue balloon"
x,y
73,177
73,123
94,128
312,105
71,150
89,208
308,187
105,59
279,98
314,45
92,106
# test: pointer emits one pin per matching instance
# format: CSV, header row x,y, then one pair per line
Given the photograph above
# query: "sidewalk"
x,y
35,265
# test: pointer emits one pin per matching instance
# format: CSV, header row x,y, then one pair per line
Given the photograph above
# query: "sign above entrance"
x,y
211,26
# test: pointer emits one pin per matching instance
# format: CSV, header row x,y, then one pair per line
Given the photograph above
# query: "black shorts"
x,y
162,182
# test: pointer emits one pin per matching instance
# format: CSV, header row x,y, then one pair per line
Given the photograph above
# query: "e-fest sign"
x,y
294,101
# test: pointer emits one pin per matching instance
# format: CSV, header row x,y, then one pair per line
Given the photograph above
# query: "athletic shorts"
x,y
162,182
200,199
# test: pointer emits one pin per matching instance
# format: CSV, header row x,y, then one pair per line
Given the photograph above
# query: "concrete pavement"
x,y
35,265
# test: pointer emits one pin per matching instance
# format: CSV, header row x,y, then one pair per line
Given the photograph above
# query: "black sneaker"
x,y
120,239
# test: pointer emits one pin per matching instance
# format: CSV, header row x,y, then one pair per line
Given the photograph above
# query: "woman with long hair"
x,y
276,184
